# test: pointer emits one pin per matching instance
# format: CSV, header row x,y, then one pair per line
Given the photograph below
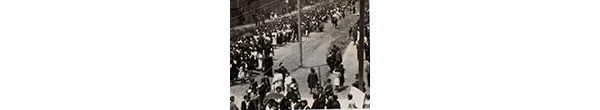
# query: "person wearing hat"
x,y
263,89
333,103
247,104
281,69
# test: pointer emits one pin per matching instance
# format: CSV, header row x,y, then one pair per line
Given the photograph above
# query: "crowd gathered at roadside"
x,y
252,52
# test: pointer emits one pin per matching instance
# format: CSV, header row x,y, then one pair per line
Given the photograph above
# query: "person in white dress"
x,y
335,77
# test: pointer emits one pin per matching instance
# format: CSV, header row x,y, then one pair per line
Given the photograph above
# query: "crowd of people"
x,y
282,93
252,48
260,13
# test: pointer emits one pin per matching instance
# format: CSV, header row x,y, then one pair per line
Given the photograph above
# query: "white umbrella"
x,y
357,96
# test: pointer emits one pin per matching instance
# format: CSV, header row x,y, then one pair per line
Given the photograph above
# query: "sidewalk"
x,y
350,61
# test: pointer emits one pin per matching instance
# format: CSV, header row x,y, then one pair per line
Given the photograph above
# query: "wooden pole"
x,y
361,27
300,30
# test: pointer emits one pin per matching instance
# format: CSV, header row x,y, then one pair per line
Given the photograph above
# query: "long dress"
x,y
259,61
277,81
242,73
312,80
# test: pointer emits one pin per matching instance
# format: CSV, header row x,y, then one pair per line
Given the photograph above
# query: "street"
x,y
315,48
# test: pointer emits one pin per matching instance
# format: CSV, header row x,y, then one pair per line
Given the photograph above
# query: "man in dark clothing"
x,y
334,21
338,57
247,104
358,85
333,103
330,61
268,65
293,95
313,80
285,104
318,103
282,69
233,73
342,71
263,89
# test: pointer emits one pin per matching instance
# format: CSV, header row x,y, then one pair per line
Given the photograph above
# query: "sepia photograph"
x,y
299,54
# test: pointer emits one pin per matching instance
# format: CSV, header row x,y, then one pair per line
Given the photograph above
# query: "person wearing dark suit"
x,y
263,89
318,103
338,57
268,62
247,104
333,103
282,69
341,70
330,61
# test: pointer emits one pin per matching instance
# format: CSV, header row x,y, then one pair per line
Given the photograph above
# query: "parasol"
x,y
244,45
358,96
273,96
248,34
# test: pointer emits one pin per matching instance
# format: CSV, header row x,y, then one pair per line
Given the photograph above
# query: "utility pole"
x,y
300,30
361,27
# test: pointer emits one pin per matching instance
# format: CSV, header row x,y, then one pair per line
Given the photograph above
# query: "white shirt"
x,y
351,104
293,106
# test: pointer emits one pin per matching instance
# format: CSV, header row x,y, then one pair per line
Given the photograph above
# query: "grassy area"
x,y
341,42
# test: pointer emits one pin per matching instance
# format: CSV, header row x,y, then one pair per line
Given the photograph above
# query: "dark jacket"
x,y
293,95
281,70
338,57
342,78
250,106
318,104
264,89
313,80
268,64
334,104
